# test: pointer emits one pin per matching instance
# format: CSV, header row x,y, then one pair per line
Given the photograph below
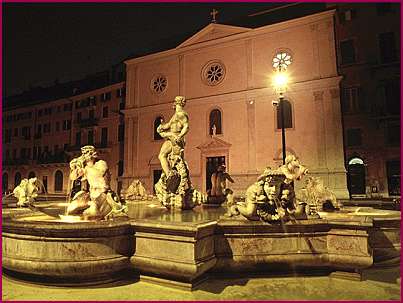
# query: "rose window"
x,y
281,60
213,73
159,84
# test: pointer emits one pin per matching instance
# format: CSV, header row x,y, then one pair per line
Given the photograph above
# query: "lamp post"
x,y
280,85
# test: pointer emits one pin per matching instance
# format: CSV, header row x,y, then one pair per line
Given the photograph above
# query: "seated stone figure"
x,y
135,191
272,197
219,191
97,201
26,191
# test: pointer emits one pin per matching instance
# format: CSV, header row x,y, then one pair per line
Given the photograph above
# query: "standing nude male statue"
x,y
174,188
174,133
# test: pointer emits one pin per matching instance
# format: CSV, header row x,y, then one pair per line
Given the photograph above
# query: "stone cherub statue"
x,y
174,188
26,191
135,191
95,200
272,197
219,191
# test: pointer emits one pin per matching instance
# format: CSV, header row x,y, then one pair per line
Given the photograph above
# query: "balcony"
x,y
48,158
83,123
15,162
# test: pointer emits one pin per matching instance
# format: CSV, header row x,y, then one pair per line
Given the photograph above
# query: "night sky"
x,y
43,42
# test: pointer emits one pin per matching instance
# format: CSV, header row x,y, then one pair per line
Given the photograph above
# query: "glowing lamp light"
x,y
280,81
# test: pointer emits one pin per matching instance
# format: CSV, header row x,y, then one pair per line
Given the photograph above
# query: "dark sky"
x,y
43,42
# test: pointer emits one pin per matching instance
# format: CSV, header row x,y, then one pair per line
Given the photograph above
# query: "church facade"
x,y
225,73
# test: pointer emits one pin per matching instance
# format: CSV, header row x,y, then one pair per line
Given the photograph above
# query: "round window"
x,y
281,60
213,73
159,84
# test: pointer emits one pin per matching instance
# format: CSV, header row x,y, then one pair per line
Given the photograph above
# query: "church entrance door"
x,y
212,163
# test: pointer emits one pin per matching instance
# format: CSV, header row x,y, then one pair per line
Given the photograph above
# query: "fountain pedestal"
x,y
68,253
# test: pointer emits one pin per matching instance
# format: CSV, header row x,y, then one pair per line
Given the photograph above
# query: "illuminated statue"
x,y
26,191
219,191
135,191
97,200
272,197
174,188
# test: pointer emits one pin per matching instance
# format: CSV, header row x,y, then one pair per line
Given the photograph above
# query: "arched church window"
x,y
287,113
159,84
58,181
157,123
215,122
213,73
17,179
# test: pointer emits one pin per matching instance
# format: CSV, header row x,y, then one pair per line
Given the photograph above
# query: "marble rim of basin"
x,y
76,252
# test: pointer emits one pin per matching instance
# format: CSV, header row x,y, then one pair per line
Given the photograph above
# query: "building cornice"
x,y
314,18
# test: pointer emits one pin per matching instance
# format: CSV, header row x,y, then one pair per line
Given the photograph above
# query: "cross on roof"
x,y
213,13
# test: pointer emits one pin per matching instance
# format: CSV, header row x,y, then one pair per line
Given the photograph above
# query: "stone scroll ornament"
x,y
272,197
174,188
94,200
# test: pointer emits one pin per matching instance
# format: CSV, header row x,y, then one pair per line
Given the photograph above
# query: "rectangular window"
x,y
78,116
23,154
46,128
104,137
347,52
393,173
7,154
393,133
347,15
90,137
106,96
26,132
78,139
352,101
387,47
92,100
57,126
7,137
66,124
39,130
15,132
105,112
120,92
40,112
68,107
34,153
14,154
354,137
121,133
91,114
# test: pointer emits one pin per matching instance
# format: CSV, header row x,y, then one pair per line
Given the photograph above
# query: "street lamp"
x,y
280,81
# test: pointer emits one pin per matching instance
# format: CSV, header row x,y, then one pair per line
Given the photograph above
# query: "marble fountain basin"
x,y
181,249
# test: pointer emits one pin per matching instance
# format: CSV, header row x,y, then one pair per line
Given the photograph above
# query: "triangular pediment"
x,y
213,31
214,143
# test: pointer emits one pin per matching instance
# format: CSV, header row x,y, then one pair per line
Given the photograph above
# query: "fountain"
x,y
174,239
